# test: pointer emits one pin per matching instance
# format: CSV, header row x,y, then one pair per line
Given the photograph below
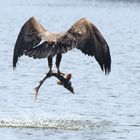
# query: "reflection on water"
x,y
103,107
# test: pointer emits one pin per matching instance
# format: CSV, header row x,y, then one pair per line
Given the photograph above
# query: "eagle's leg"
x,y
50,64
58,60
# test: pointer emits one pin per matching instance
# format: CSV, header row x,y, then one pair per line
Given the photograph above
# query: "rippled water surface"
x,y
103,107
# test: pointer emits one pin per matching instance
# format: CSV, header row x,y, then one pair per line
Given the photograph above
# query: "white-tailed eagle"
x,y
37,42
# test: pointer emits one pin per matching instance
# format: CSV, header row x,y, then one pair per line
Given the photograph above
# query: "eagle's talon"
x,y
60,73
50,72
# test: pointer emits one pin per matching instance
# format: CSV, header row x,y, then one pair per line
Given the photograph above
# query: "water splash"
x,y
51,123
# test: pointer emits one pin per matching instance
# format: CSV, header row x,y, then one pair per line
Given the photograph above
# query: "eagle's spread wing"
x,y
36,42
86,37
30,35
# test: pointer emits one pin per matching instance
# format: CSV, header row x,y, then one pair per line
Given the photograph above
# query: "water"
x,y
103,107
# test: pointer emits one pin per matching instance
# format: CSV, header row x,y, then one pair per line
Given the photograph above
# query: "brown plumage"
x,y
35,41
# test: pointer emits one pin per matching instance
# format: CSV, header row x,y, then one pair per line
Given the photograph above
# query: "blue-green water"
x,y
103,107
